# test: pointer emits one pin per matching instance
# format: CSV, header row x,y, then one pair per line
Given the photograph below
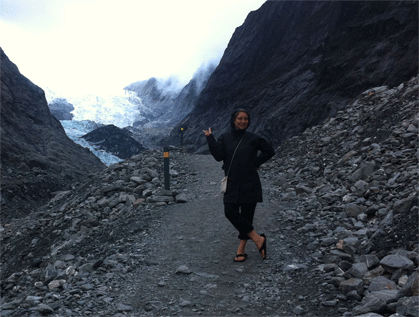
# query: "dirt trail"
x,y
198,236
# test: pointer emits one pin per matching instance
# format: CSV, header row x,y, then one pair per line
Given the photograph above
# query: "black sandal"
x,y
240,256
263,247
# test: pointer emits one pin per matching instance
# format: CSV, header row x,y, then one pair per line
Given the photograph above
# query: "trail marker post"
x,y
181,136
166,168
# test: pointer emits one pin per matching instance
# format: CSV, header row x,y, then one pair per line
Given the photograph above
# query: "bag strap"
x,y
233,155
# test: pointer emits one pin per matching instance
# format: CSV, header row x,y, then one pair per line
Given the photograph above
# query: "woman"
x,y
244,189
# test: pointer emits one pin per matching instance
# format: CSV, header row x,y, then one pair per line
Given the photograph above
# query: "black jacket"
x,y
243,184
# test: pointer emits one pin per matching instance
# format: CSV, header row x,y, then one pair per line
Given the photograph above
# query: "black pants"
x,y
241,216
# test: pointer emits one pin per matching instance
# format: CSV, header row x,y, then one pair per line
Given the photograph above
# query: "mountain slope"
x,y
37,157
164,105
292,64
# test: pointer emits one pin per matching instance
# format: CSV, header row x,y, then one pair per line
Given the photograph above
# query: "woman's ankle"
x,y
242,247
253,235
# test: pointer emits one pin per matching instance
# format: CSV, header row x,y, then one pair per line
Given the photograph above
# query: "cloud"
x,y
80,46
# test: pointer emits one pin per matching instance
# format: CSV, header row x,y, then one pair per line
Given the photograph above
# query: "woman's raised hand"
x,y
207,132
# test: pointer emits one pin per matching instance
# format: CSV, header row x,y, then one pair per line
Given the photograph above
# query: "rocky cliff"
x,y
114,140
294,63
61,109
37,157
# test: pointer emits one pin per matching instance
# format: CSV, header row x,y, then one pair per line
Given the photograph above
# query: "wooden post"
x,y
166,169
181,136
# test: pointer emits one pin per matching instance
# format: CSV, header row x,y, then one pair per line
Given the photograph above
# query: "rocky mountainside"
x,y
360,170
114,140
164,105
294,63
61,109
340,214
37,157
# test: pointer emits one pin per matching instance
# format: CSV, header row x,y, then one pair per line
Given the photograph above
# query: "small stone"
x,y
123,308
45,309
298,310
352,284
370,260
185,303
358,270
56,284
183,269
181,198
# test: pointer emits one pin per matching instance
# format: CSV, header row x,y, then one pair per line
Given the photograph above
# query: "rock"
x,y
123,308
380,283
370,260
312,71
45,309
352,284
393,262
358,270
408,306
35,142
138,180
385,295
373,304
354,210
55,284
61,109
157,96
370,315
181,198
183,269
114,140
411,288
404,205
368,277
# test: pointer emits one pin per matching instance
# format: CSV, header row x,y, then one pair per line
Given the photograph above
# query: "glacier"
x,y
92,111
121,109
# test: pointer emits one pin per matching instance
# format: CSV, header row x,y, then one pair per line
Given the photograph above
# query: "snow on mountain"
x,y
149,109
121,110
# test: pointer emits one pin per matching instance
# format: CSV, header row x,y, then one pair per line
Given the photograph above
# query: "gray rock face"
x,y
164,106
292,64
368,188
114,140
37,157
61,109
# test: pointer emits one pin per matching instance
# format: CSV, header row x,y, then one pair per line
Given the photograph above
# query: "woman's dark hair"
x,y
234,117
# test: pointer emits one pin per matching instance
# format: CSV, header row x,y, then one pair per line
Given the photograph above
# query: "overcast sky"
x,y
98,46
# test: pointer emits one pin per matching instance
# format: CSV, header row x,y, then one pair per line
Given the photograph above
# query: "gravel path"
x,y
186,263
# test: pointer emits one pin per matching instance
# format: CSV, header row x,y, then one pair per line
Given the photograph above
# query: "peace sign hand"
x,y
207,133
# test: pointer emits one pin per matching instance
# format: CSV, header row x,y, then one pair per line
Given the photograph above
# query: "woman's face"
x,y
242,121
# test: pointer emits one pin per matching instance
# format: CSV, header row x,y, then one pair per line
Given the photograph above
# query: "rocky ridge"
x,y
164,105
61,109
111,139
342,226
37,157
357,177
293,64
